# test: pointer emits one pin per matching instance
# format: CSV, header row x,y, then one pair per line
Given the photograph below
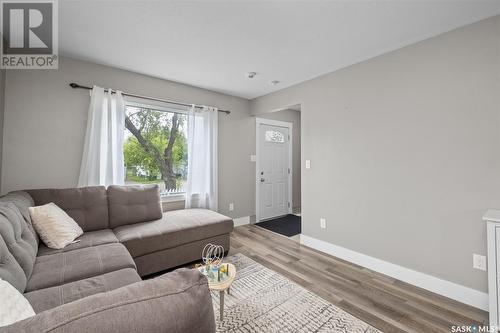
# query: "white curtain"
x,y
201,187
102,161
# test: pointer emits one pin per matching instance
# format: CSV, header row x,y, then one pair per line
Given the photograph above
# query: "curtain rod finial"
x,y
73,85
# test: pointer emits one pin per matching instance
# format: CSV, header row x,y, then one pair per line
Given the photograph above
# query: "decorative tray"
x,y
215,275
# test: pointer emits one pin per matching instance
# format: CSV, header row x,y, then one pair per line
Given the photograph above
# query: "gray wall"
x,y
2,99
405,152
291,116
45,123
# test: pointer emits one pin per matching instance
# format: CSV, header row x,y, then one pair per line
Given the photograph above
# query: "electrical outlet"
x,y
322,223
479,262
308,164
231,207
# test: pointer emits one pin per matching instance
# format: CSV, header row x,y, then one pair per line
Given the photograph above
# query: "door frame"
x,y
278,123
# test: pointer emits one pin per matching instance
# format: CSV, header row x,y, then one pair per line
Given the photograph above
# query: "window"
x,y
274,136
155,148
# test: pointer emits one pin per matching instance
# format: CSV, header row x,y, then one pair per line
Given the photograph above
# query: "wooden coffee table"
x,y
222,286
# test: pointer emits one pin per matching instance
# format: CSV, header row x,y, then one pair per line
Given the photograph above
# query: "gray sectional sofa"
x,y
95,284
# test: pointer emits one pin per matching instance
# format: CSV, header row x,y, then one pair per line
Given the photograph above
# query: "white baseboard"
x,y
439,286
241,221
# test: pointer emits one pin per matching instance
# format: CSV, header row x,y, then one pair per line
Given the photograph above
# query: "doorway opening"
x,y
278,181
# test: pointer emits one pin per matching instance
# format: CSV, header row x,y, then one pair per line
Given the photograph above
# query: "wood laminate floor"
x,y
384,302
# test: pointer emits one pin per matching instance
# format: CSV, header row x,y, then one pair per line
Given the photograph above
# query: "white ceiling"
x,y
211,44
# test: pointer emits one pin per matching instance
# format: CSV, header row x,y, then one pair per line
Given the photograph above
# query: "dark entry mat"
x,y
288,225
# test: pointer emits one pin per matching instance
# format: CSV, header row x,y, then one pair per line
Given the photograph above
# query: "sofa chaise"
x,y
95,283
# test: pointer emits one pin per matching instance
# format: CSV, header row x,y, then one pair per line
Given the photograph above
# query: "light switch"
x,y
253,158
479,262
308,164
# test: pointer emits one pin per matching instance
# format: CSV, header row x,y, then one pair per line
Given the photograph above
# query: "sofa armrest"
x,y
175,302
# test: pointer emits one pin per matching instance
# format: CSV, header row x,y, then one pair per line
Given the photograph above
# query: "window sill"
x,y
173,198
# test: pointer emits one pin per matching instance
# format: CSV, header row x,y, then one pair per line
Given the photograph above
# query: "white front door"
x,y
273,171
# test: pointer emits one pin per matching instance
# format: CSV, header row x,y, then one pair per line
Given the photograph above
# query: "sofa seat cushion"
x,y
88,239
48,298
173,229
60,268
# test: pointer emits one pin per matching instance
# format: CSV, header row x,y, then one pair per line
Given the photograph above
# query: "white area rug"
x,y
262,300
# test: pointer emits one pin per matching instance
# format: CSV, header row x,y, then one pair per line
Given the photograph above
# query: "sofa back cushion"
x,y
10,270
133,204
23,202
88,206
18,237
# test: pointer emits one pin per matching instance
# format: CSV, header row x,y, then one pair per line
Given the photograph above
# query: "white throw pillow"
x,y
14,306
56,228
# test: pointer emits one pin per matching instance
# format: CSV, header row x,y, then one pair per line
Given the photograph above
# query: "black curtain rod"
x,y
76,85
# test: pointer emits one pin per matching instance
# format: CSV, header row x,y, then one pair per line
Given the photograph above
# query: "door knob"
x,y
262,180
